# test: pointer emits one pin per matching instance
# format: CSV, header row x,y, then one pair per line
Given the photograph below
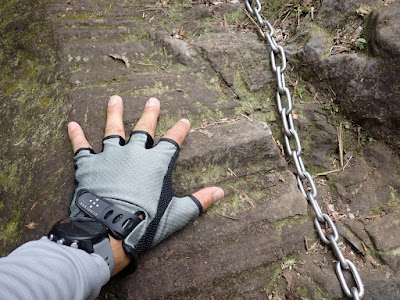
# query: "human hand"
x,y
137,177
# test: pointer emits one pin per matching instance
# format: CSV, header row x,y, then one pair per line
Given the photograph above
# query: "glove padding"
x,y
137,178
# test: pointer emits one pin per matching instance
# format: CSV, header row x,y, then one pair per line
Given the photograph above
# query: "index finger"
x,y
179,131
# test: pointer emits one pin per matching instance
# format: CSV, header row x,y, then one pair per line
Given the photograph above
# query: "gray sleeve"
x,y
45,270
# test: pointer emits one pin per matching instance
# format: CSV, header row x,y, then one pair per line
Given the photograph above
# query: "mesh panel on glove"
x,y
138,178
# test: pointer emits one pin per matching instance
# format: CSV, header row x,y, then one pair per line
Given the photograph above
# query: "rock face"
x,y
366,91
366,88
385,31
205,62
333,13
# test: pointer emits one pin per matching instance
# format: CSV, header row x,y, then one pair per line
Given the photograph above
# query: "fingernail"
x,y
71,126
185,121
114,100
152,102
218,195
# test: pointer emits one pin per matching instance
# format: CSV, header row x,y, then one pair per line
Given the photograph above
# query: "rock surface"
x,y
333,13
204,62
385,31
366,88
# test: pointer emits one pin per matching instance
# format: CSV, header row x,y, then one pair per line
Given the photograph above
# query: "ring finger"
x,y
148,121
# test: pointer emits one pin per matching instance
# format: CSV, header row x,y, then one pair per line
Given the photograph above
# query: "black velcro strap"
x,y
118,221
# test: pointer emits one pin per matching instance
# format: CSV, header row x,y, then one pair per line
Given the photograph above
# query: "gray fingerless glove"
x,y
135,178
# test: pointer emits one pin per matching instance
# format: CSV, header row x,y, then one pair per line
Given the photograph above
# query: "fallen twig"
x,y
340,140
143,64
335,171
226,216
242,195
231,171
306,243
255,23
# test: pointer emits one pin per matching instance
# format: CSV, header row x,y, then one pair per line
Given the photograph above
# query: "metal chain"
x,y
329,235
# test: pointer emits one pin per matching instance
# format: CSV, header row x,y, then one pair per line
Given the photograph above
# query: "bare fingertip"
x,y
72,126
114,100
152,102
186,121
218,195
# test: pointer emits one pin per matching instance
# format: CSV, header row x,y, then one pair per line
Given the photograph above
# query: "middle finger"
x,y
148,121
114,123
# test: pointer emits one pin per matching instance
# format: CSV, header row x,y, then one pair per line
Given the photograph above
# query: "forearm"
x,y
45,270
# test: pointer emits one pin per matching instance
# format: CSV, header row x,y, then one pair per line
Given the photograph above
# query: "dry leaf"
x,y
291,296
182,33
295,116
121,57
388,2
206,132
31,225
345,199
289,278
179,33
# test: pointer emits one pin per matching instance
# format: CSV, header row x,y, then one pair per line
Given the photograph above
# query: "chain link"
x,y
329,235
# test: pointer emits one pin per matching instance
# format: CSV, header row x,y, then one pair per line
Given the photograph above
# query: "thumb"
x,y
208,196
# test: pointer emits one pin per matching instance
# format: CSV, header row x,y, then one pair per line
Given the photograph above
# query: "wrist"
x,y
121,258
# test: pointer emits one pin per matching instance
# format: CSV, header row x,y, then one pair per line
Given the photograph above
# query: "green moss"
x,y
254,103
173,67
313,170
158,57
302,292
157,89
376,255
289,221
236,200
10,230
32,114
75,69
320,294
10,233
289,260
377,211
206,21
271,8
316,293
167,120
236,17
394,198
84,16
8,174
214,80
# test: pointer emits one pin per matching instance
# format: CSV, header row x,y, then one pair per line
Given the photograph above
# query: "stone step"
x,y
236,148
90,63
182,94
94,11
202,265
124,30
241,234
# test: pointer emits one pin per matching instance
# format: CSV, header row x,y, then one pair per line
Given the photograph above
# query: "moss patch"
x,y
32,116
394,198
256,103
